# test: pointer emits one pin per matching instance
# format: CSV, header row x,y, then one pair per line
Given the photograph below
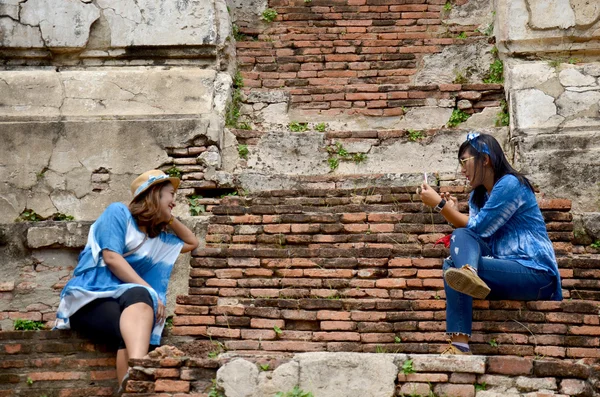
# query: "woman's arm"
x,y
455,217
507,196
121,268
124,272
431,198
190,241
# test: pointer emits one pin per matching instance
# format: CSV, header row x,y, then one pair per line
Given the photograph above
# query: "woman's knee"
x,y
462,233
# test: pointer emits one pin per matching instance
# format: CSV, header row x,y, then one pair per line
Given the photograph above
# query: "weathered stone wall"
x,y
336,62
384,375
92,94
551,67
90,104
95,92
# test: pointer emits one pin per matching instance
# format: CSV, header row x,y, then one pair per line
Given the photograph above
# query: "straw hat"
x,y
151,178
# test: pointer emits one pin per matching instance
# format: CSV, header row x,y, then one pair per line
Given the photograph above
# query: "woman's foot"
x,y
467,281
457,349
123,384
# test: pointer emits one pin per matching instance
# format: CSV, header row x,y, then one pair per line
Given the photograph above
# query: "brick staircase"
x,y
357,270
339,270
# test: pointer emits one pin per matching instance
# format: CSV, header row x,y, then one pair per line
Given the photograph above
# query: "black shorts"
x,y
99,320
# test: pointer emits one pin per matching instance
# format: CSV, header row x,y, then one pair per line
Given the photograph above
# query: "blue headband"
x,y
481,147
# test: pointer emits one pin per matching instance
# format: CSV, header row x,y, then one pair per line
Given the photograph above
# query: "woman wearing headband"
x,y
501,250
118,293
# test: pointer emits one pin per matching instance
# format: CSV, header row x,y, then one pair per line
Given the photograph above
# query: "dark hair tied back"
x,y
480,145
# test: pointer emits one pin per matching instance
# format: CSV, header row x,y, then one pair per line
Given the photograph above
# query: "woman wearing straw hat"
x,y
118,292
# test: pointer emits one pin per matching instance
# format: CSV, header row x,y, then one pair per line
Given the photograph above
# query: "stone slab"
x,y
238,378
449,363
61,234
284,377
162,22
469,60
563,164
534,109
474,13
547,26
62,23
347,374
67,25
289,153
17,35
106,92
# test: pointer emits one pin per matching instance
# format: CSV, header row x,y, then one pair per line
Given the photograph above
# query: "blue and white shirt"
x,y
511,223
117,231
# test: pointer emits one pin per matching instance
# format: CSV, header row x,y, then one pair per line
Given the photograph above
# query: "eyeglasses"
x,y
463,162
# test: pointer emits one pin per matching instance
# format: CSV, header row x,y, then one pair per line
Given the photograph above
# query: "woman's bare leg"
x,y
136,326
122,366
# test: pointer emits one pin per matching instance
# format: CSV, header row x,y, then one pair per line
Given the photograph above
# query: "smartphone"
x,y
425,178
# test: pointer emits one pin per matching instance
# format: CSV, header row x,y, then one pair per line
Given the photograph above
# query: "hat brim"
x,y
174,181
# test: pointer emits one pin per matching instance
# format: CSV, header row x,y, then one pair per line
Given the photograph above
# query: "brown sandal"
x,y
467,281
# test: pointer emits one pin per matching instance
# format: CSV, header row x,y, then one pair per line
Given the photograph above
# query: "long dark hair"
x,y
145,209
478,147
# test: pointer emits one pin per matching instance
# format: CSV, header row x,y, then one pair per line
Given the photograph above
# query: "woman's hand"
x,y
451,201
189,238
428,196
161,313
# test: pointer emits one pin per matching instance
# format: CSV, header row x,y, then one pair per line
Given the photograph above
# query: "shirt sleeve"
x,y
505,199
111,228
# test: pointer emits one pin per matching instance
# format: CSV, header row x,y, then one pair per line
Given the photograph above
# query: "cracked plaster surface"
x,y
10,8
19,35
545,97
110,92
62,23
587,12
30,93
562,14
48,167
548,14
66,24
535,109
160,22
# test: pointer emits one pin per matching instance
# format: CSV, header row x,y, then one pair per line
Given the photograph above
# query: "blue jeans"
x,y
507,279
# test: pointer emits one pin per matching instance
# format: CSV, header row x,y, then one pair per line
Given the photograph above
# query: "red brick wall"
x,y
354,56
59,364
54,363
355,270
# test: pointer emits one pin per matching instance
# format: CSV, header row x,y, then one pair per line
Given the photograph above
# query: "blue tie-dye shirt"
x,y
117,231
511,223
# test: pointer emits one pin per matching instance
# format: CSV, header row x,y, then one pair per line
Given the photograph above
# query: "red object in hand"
x,y
444,240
